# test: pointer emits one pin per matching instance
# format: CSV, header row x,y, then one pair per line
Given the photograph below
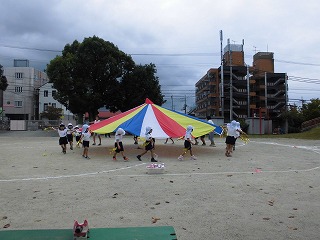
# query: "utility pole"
x,y
286,95
222,77
248,92
266,94
231,97
302,101
171,102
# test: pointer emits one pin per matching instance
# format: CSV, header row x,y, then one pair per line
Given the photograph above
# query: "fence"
x,y
32,125
310,124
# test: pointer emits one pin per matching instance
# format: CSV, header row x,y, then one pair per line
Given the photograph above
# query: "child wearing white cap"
x,y
149,145
118,144
188,144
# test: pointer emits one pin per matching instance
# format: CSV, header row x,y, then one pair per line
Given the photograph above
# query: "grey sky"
x,y
184,35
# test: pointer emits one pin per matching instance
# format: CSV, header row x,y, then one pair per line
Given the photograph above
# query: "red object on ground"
x,y
80,230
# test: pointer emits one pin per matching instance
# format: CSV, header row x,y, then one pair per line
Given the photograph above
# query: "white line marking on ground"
x,y
69,176
314,149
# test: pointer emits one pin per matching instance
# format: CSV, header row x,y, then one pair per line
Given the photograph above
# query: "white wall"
x,y
50,101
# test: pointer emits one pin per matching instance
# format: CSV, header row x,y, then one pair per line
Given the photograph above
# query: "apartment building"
x,y
236,90
20,100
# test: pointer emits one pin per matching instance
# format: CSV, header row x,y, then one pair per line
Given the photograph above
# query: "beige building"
x,y
21,100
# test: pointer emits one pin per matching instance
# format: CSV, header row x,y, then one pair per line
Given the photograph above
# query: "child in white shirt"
x,y
149,145
85,137
63,141
118,144
188,143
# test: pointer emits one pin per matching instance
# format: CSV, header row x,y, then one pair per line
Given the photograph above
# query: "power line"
x,y
298,63
34,49
196,54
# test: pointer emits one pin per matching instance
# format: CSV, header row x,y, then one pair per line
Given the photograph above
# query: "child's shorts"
x,y
70,137
63,140
230,140
78,138
149,146
187,144
85,143
116,146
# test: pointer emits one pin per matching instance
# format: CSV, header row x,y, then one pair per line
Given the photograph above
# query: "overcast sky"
x,y
181,37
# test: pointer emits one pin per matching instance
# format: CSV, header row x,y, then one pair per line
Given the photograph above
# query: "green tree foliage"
x,y
87,75
139,84
52,113
3,80
296,116
311,110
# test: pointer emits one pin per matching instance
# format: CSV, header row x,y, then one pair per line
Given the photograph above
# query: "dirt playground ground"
x,y
269,189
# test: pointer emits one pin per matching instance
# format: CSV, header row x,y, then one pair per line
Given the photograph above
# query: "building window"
x,y
54,92
54,105
18,89
45,106
18,104
18,75
45,93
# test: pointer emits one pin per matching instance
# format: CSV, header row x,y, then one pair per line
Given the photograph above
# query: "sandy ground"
x,y
269,189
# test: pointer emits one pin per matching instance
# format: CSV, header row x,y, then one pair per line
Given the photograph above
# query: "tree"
x,y
137,85
87,75
3,87
3,80
294,118
52,113
311,110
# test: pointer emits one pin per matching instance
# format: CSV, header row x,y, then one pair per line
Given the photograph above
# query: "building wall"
x,y
46,93
263,94
268,95
207,94
263,62
236,59
19,100
233,55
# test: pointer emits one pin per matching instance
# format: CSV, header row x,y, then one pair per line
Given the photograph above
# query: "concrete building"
x,y
20,100
46,99
236,90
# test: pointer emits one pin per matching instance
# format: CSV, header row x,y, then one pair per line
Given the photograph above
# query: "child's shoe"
x,y
114,158
125,158
139,157
193,157
180,158
153,160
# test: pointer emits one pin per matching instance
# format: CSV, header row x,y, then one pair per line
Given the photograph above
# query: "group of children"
x,y
66,136
83,137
